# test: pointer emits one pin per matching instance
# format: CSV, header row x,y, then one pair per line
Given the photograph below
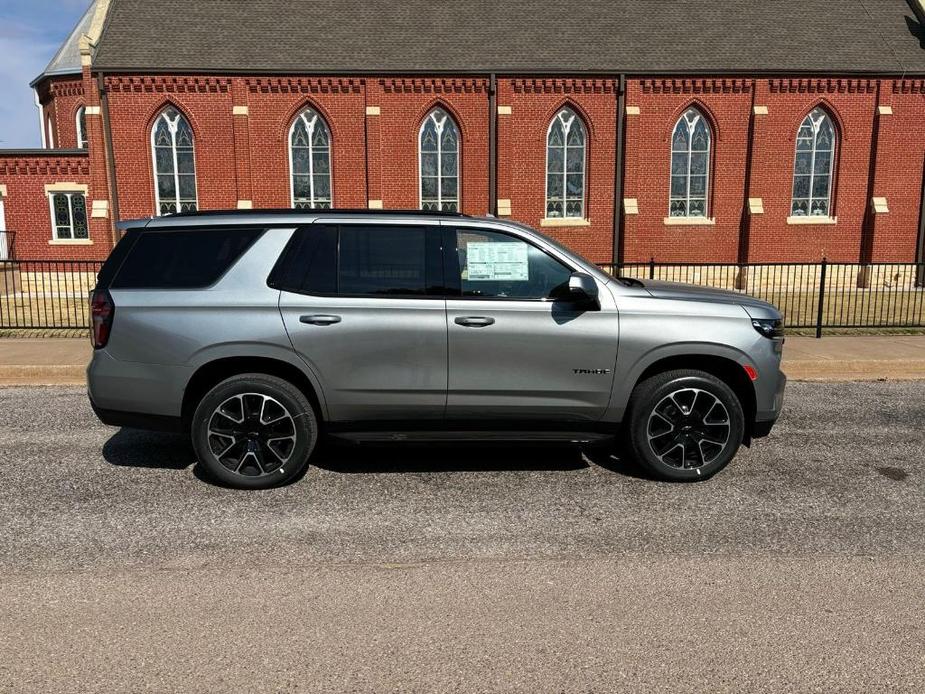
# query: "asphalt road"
x,y
799,568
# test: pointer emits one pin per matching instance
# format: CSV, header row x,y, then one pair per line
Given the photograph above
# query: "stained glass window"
x,y
439,162
565,166
310,161
174,163
69,215
690,165
812,167
81,128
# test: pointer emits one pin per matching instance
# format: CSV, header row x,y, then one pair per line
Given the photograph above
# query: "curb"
x,y
55,375
855,370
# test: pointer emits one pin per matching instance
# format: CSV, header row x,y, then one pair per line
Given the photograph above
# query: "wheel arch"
x,y
213,372
726,364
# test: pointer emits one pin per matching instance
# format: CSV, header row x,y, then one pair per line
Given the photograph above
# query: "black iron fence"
x,y
812,295
54,293
46,293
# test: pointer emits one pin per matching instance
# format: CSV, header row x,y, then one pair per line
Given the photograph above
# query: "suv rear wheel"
x,y
684,425
254,431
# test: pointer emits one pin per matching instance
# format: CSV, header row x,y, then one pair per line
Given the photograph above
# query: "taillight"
x,y
101,312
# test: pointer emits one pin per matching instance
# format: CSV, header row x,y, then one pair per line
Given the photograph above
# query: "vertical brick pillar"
x,y
102,227
877,217
634,248
758,196
373,115
506,152
240,116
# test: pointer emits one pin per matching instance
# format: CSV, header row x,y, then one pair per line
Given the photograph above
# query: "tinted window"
x,y
116,257
362,261
182,259
494,265
309,264
382,260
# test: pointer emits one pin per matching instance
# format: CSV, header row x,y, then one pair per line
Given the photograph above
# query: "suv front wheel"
x,y
254,431
684,425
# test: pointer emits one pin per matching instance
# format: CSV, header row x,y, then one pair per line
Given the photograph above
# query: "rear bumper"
x,y
137,420
152,390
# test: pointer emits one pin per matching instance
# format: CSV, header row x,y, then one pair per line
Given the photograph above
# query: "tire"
x,y
254,431
684,425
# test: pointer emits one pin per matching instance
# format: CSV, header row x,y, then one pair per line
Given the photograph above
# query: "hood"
x,y
677,291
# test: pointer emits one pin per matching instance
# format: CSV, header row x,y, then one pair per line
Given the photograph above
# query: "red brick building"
x,y
685,131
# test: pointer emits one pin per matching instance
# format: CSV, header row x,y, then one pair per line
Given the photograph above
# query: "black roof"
x,y
513,36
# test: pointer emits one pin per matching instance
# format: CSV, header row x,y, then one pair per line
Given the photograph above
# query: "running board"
x,y
473,436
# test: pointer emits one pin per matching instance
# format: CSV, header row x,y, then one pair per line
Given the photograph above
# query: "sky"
x,y
31,31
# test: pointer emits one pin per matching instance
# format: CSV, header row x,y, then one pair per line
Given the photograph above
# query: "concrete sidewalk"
x,y
38,361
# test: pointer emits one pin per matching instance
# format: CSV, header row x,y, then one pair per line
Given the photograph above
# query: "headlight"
x,y
771,328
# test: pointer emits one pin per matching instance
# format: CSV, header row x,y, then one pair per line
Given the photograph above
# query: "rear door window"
x,y
182,259
362,260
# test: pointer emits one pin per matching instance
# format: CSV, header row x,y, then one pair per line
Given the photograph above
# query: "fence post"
x,y
822,274
651,268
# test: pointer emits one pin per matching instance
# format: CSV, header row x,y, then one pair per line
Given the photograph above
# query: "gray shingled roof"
x,y
603,36
67,59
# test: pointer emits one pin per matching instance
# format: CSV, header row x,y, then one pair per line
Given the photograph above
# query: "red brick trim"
x,y
440,85
75,88
168,84
704,109
824,86
286,126
51,164
908,86
696,86
563,86
304,85
457,118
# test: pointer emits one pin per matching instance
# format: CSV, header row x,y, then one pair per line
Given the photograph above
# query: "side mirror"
x,y
582,289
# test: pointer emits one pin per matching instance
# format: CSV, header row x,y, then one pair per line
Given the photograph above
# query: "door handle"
x,y
319,319
474,321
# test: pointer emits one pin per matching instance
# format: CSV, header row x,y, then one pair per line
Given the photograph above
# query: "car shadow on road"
x,y
158,450
149,449
444,457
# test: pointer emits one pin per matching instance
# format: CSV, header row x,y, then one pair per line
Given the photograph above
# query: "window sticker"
x,y
489,261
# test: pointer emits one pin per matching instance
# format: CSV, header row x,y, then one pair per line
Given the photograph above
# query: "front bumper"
x,y
765,419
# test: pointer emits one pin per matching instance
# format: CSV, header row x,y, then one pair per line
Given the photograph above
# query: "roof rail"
x,y
313,212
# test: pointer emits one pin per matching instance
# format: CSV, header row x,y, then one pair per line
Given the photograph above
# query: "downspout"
x,y
492,146
618,175
110,158
38,105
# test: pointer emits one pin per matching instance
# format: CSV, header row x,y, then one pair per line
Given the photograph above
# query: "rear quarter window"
x,y
183,259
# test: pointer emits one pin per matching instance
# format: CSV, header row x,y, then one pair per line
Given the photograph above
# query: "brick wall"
x,y
726,104
522,155
374,124
26,205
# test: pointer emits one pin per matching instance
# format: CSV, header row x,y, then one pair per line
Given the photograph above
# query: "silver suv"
x,y
258,332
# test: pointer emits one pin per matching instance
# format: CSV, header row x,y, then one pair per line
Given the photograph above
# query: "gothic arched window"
x,y
690,165
174,163
439,162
